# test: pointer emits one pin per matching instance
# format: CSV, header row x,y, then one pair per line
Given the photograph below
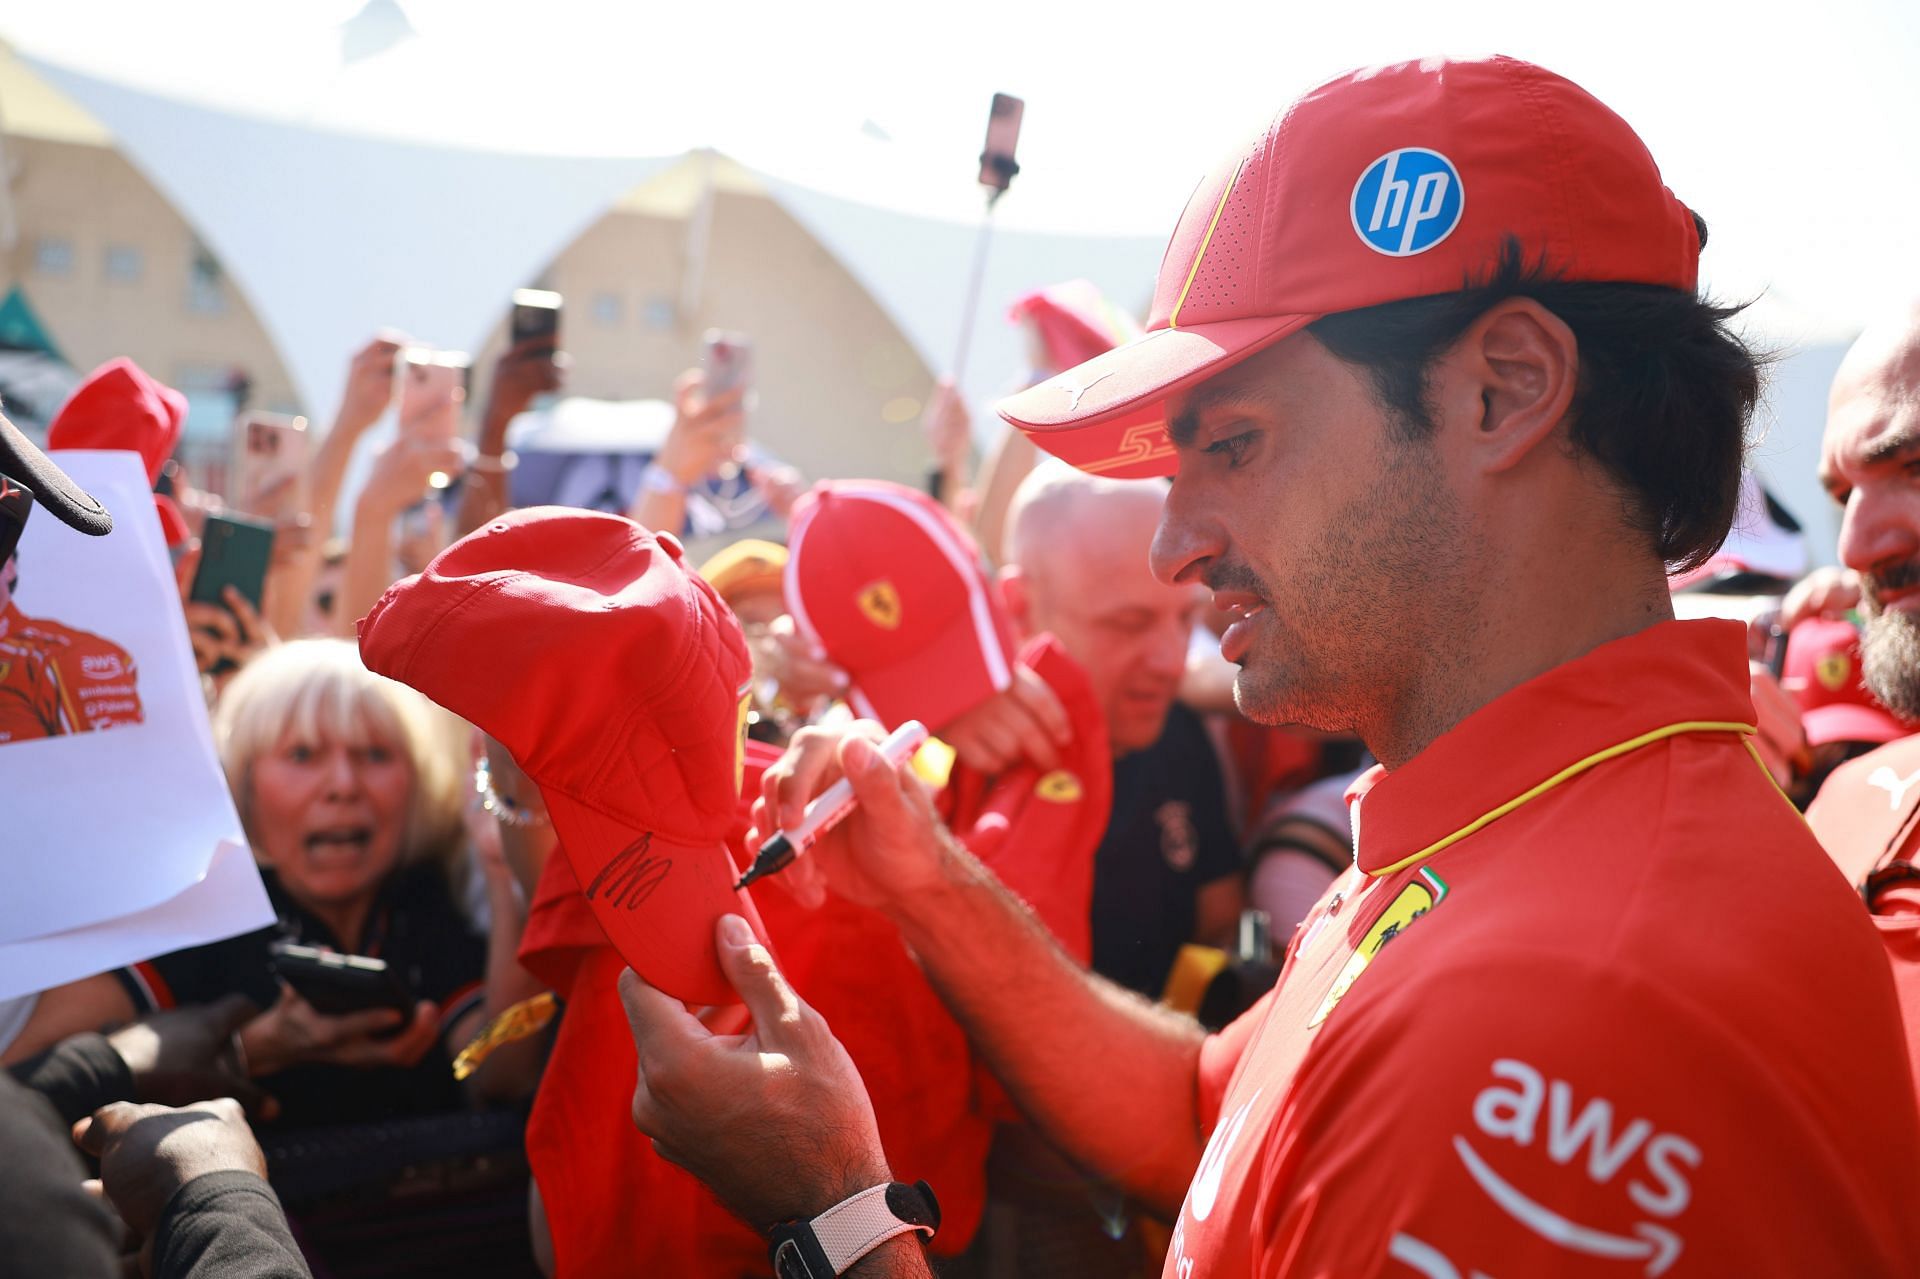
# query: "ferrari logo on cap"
x,y
1059,787
881,604
1832,671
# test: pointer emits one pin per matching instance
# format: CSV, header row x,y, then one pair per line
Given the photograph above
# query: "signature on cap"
x,y
632,876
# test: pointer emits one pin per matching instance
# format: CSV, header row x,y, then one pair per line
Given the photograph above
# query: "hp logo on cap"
x,y
1407,201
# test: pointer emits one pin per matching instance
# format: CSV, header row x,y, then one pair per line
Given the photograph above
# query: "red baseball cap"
x,y
1824,674
120,407
618,680
1386,183
1075,322
881,577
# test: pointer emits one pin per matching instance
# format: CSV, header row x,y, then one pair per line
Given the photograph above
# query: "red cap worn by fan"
x,y
1387,183
618,681
1823,672
1074,322
881,577
120,408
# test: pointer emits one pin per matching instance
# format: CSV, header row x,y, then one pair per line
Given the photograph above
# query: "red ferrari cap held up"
x,y
884,580
1386,183
618,680
1826,676
120,407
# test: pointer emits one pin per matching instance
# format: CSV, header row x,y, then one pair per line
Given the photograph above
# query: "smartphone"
x,y
234,551
334,983
536,316
997,165
433,385
16,503
270,464
728,360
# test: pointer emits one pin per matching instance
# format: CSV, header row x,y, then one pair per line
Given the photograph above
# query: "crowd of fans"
x,y
1089,754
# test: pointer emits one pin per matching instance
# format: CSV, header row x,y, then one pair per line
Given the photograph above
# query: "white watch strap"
x,y
856,1226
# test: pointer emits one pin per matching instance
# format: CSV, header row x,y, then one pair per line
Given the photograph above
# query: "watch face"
x,y
788,1263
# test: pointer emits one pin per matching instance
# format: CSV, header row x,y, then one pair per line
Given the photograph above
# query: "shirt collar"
x,y
1672,678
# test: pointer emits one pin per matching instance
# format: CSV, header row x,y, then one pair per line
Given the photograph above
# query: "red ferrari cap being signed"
x,y
618,680
1386,183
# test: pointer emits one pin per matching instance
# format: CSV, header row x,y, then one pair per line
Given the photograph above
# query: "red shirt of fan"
x,y
1867,815
1629,1021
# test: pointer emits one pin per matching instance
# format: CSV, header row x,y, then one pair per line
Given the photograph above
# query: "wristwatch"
x,y
655,478
829,1244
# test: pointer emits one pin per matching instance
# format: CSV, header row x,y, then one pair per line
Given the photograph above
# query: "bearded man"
x,y
1868,813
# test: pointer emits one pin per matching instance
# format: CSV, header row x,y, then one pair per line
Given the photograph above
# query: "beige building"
x,y
110,268
839,389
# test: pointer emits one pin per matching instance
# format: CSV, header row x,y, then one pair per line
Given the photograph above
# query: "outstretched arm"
x,y
1108,1077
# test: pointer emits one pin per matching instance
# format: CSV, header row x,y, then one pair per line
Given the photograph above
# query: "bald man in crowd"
x,y
1868,814
1168,870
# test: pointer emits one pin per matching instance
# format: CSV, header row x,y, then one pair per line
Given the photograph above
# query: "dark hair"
x,y
1664,392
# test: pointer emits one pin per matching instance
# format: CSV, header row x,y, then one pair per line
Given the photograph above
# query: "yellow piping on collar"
x,y
1173,319
1570,771
1768,774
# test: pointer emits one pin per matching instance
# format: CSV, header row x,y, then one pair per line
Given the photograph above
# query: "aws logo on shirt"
x,y
102,666
1527,1109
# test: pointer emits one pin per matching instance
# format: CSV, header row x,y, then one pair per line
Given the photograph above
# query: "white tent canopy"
x,y
410,161
332,235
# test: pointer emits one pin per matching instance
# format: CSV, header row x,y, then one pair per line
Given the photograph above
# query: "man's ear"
x,y
1012,584
1510,379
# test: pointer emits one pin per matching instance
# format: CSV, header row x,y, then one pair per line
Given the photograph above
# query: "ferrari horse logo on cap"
x,y
1832,671
1407,201
1059,787
880,602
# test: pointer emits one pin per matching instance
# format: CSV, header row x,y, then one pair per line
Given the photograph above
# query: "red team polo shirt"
x,y
1630,1022
1868,817
56,680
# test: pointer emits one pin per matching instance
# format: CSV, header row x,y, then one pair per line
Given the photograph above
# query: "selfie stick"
x,y
1003,168
828,811
970,311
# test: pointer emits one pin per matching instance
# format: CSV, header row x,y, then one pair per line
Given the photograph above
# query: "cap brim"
x,y
656,899
52,490
952,674
1845,722
1109,416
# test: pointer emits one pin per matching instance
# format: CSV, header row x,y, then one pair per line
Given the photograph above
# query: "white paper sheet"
x,y
229,900
103,824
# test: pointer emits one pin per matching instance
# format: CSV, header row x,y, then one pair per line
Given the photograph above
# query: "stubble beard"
x,y
1890,658
1349,638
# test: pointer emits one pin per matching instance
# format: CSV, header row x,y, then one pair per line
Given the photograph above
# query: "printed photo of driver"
x,y
55,679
